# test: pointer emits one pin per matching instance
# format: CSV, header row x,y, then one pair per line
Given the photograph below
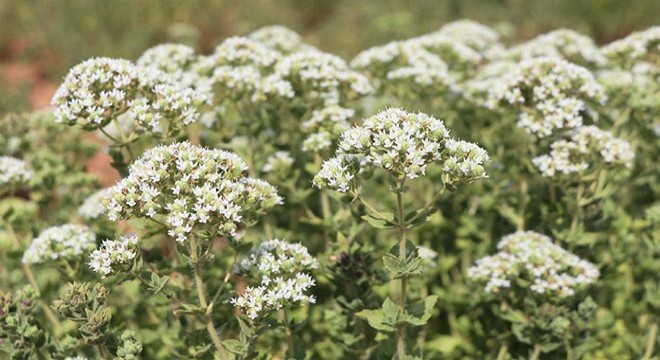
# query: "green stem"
x,y
577,213
12,233
373,209
501,355
42,304
289,350
650,342
401,330
124,140
426,207
536,353
103,352
199,284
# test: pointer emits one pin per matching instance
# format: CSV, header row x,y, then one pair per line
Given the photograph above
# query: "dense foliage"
x,y
443,196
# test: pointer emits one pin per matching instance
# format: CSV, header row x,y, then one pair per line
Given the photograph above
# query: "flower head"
x,y
322,77
280,38
587,145
14,171
403,144
405,66
563,43
473,34
114,255
541,266
280,268
638,46
550,92
99,90
67,241
92,207
191,186
279,162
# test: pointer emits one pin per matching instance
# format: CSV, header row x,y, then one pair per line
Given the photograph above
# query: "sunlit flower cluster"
x,y
279,162
177,61
406,67
323,78
169,58
325,126
403,144
190,186
99,90
587,146
114,255
13,171
92,207
531,261
274,258
238,51
563,43
281,269
280,38
640,45
66,242
473,34
248,82
551,94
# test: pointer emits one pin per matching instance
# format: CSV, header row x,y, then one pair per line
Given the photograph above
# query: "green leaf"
x,y
514,316
190,309
418,314
383,319
445,344
420,217
380,222
235,347
402,268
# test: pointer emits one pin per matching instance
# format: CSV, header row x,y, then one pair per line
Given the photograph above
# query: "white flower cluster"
x,y
241,68
586,146
429,64
551,93
99,90
279,162
238,51
325,126
92,207
641,45
248,82
317,76
403,144
67,241
114,255
169,58
280,38
256,301
14,171
563,43
533,258
457,55
427,255
477,88
177,61
405,66
190,186
281,270
473,34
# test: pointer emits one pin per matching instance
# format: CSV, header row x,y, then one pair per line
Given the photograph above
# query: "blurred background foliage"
x,y
54,35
